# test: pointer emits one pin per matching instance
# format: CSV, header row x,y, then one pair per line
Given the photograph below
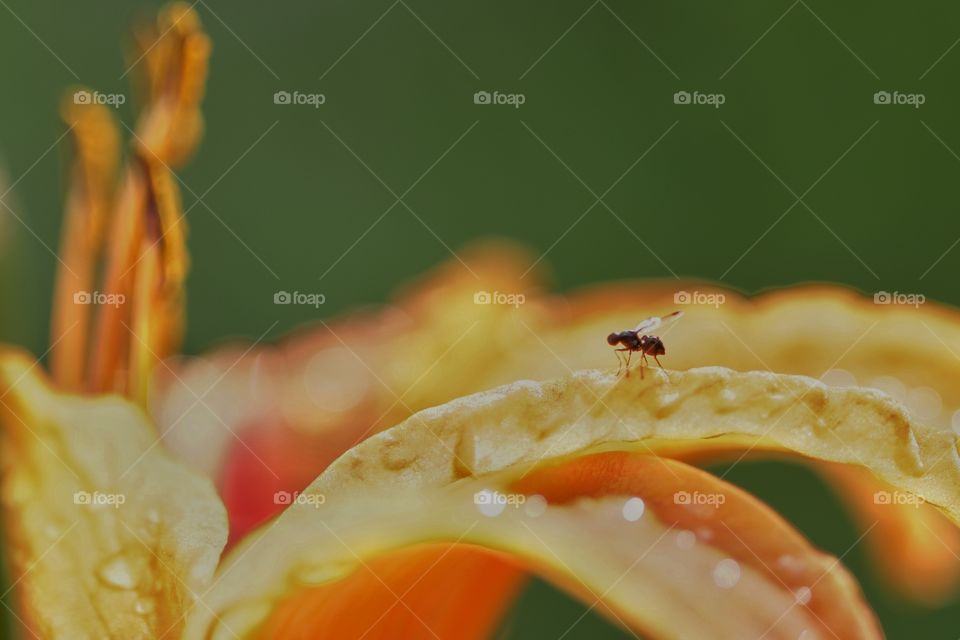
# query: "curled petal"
x,y
429,470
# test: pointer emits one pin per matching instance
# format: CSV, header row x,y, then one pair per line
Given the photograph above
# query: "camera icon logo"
x,y
881,97
81,497
282,497
681,97
281,97
882,297
482,297
282,297
482,97
82,97
882,497
682,297
682,497
82,297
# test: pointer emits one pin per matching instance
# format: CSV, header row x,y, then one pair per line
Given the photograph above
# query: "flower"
x,y
115,462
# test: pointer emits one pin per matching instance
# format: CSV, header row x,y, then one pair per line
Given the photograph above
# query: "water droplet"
x,y
488,504
144,606
686,539
535,506
803,595
792,564
727,573
121,571
633,509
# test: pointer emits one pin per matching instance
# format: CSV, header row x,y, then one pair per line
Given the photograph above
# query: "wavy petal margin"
x,y
553,440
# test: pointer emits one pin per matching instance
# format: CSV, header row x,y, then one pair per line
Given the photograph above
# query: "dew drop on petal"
x,y
686,539
535,506
633,509
120,572
487,504
727,573
803,595
791,564
144,606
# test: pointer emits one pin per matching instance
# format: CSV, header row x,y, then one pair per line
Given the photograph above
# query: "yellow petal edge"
x,y
109,536
414,483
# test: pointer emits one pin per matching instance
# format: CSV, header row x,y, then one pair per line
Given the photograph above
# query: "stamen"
x,y
93,174
144,251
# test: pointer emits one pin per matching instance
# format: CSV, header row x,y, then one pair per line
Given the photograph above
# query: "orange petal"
x,y
731,570
742,527
427,590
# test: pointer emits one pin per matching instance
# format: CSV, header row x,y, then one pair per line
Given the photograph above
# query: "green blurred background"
x,y
599,79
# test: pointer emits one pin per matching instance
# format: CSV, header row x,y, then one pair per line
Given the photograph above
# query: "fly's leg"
x,y
643,363
661,367
620,360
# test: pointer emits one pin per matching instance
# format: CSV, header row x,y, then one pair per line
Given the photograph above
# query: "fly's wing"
x,y
654,322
